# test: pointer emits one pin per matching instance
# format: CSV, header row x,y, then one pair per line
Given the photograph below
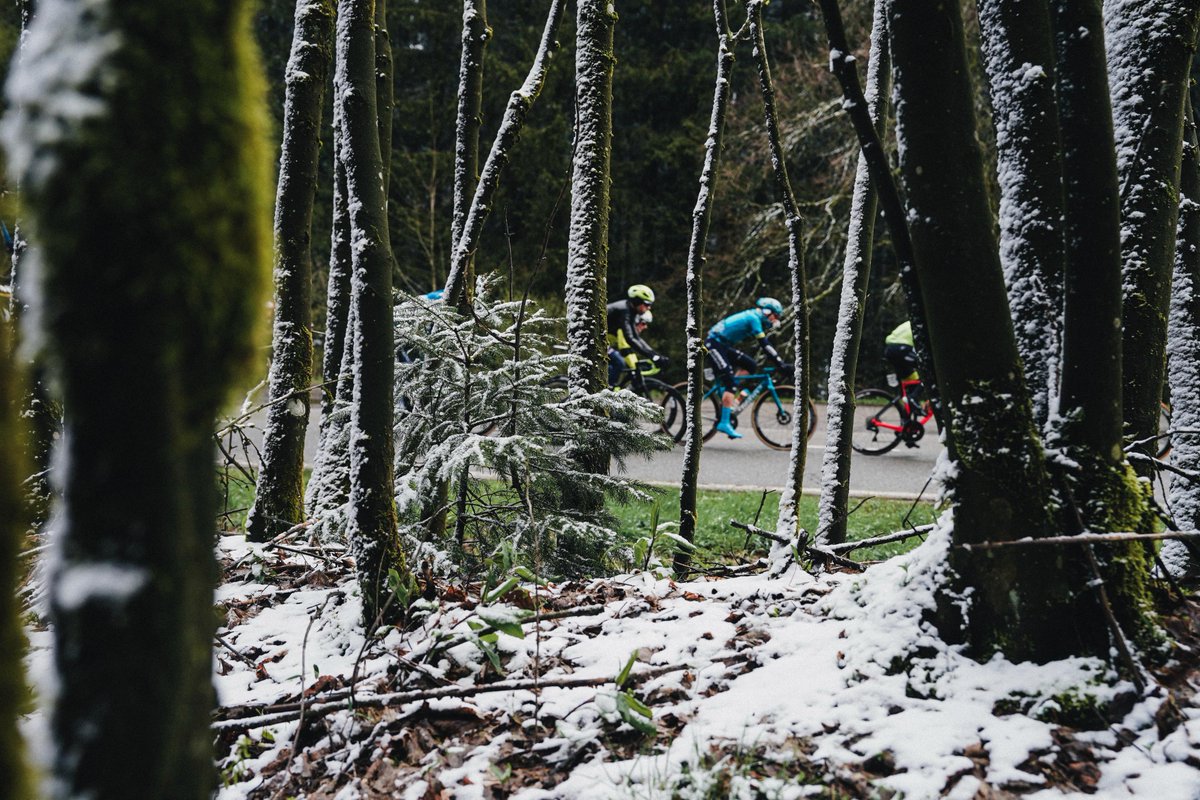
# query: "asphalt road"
x,y
748,463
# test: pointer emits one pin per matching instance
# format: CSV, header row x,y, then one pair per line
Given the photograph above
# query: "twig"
x,y
221,641
810,550
1085,538
318,710
1158,463
581,611
899,536
1135,671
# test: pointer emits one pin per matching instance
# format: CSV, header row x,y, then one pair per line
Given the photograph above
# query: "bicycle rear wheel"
x,y
877,422
1163,445
773,422
674,408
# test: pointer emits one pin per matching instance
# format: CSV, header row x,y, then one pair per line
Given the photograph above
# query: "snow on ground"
x,y
760,688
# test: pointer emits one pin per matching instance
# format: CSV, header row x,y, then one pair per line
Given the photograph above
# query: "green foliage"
x,y
481,400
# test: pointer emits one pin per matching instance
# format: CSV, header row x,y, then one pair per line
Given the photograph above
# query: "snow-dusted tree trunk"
x,y
856,271
372,520
478,198
1150,45
1090,428
149,211
279,495
842,64
475,36
1183,336
701,215
789,521
999,487
385,91
1019,59
587,248
15,777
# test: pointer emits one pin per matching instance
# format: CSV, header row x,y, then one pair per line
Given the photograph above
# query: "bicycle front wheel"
x,y
877,422
674,408
774,421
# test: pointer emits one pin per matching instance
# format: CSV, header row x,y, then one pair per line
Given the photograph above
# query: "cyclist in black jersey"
x,y
625,343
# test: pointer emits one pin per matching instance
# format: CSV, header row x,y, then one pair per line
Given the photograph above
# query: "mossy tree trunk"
x,y
701,215
1089,432
150,212
1000,488
372,522
833,506
1149,56
279,498
15,778
1018,51
587,249
789,519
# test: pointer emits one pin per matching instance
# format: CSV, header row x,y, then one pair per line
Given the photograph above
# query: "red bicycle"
x,y
891,419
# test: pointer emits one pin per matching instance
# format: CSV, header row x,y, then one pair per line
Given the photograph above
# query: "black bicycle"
x,y
638,379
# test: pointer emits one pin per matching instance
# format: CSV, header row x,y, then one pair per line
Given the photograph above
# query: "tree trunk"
x,y
475,36
279,498
856,271
16,781
1019,59
1150,45
701,215
1184,337
789,515
150,219
587,249
1103,485
372,523
385,92
999,487
461,280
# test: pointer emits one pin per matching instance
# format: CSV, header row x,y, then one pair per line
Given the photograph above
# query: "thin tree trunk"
x,y
587,249
701,215
999,488
385,92
279,495
16,781
1091,418
1184,337
147,325
1019,60
372,522
475,36
894,213
833,505
789,514
461,281
1149,55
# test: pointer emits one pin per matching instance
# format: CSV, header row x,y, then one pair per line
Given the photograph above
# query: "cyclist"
x,y
625,343
727,360
899,351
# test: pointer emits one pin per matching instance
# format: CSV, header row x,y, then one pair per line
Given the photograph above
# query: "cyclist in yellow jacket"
x,y
625,343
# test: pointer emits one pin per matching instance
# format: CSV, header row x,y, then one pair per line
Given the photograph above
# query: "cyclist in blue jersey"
x,y
726,359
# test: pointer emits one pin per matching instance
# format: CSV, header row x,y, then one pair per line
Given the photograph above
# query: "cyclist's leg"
x,y
616,365
718,354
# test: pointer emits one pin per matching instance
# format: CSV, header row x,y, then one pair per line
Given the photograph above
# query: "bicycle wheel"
x,y
877,422
710,410
674,408
773,422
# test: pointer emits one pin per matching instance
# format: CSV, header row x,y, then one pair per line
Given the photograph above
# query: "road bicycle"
x,y
771,407
891,419
638,380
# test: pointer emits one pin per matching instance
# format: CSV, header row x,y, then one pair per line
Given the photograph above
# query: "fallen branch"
x,y
899,536
809,550
1085,538
317,710
1158,463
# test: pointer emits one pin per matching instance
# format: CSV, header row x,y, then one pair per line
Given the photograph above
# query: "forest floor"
x,y
751,686
831,685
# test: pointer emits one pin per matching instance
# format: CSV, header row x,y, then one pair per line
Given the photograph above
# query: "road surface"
x,y
748,463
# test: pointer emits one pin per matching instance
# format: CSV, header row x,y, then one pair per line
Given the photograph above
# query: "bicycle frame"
x,y
762,382
908,409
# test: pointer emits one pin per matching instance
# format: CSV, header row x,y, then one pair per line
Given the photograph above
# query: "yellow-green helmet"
x,y
641,292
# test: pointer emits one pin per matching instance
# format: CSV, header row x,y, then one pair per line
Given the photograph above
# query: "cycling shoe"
x,y
728,430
